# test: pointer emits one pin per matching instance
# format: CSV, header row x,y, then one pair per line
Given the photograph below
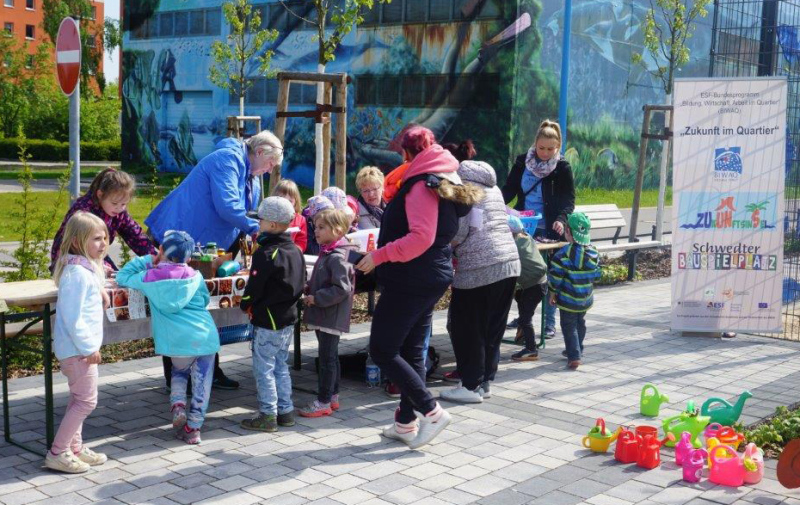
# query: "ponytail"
x,y
548,130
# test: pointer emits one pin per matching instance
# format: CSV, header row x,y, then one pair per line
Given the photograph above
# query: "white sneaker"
x,y
485,390
391,432
90,457
65,462
430,426
461,394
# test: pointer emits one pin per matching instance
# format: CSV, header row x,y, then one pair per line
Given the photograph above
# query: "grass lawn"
x,y
141,206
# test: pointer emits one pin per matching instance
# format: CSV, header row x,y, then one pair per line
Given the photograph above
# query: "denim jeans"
x,y
329,368
201,371
573,327
273,382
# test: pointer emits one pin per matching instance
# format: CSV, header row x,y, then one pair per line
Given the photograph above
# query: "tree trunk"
x,y
318,141
241,106
662,180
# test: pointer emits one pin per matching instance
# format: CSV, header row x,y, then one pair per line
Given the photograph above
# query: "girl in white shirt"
x,y
78,335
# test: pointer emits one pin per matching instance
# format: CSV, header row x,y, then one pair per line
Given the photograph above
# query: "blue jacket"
x,y
210,203
182,326
573,269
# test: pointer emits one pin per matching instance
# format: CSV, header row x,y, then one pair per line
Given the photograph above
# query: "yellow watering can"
x,y
651,400
599,438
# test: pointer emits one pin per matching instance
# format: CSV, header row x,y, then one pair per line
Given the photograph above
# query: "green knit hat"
x,y
579,226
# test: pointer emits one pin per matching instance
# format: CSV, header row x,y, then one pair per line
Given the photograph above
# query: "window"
x,y
213,21
432,90
30,32
393,12
94,13
389,90
181,23
365,90
371,16
265,92
435,89
8,3
165,28
8,27
166,24
91,42
257,93
412,90
416,11
30,4
29,61
441,10
197,23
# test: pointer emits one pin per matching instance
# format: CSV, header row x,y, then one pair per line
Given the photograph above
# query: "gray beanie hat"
x,y
276,209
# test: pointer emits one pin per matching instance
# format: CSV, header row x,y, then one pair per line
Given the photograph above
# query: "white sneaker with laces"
x,y
485,390
391,432
461,394
65,462
430,426
90,457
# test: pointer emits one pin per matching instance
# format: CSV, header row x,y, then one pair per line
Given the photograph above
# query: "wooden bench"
x,y
608,216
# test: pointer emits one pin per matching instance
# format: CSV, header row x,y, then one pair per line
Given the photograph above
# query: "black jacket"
x,y
558,192
277,279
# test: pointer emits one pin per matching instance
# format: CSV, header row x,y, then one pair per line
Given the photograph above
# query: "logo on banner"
x,y
727,163
763,305
732,214
715,305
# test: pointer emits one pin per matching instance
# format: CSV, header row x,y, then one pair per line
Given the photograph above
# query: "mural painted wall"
x,y
481,69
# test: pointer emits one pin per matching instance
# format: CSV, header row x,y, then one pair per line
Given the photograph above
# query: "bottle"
x,y
372,373
371,243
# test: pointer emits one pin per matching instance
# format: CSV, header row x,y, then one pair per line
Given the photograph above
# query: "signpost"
x,y
729,153
68,69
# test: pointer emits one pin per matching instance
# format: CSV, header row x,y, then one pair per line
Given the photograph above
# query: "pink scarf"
x,y
327,249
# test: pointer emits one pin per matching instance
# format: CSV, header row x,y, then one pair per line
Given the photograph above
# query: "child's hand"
x,y
553,299
156,259
309,300
93,359
106,298
558,227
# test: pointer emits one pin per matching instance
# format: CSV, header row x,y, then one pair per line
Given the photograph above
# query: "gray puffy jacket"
x,y
484,249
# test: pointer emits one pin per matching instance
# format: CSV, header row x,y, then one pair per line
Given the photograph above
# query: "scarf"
x,y
374,211
327,249
539,168
77,259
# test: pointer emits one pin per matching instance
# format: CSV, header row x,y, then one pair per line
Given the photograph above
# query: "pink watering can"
x,y
727,471
693,465
711,431
753,461
683,448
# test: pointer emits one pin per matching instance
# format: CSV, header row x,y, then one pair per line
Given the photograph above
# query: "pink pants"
x,y
82,379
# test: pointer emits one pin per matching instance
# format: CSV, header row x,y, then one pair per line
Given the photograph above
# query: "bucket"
x,y
529,223
366,240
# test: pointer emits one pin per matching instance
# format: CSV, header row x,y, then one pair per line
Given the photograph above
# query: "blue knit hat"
x,y
178,246
515,224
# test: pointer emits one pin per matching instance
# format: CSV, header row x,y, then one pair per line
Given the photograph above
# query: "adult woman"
x,y
541,180
369,183
414,269
211,204
487,267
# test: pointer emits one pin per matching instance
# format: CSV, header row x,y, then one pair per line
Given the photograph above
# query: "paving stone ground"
x,y
521,446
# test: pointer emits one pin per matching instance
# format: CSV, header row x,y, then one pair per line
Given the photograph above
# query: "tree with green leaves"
x,y
665,40
232,58
344,15
96,36
20,82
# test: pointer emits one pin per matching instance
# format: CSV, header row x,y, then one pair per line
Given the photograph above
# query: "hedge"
x,y
53,150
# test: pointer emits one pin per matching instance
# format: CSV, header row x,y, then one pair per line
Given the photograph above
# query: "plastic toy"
x,y
727,414
693,465
650,401
728,436
627,450
686,421
711,431
650,451
788,469
683,448
753,461
714,442
599,438
726,471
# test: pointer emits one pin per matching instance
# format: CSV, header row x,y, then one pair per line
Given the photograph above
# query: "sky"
x,y
111,59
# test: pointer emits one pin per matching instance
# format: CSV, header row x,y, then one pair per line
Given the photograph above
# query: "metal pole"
x,y
562,98
74,142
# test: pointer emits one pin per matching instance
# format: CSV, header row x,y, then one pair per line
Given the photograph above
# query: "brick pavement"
x,y
521,446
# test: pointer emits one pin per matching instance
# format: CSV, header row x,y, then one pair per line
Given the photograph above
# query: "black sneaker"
x,y
525,355
224,383
512,325
286,419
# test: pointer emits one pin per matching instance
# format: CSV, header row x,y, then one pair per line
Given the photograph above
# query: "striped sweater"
x,y
573,269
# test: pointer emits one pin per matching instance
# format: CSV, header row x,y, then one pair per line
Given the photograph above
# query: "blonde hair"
x,y
111,181
367,175
549,130
287,187
77,235
335,219
268,143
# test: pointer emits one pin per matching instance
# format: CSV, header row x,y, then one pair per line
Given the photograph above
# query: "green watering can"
x,y
690,421
651,400
726,414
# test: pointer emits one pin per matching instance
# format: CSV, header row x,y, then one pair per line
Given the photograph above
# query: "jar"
x,y
211,248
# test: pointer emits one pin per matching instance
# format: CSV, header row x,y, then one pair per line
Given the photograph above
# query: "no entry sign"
x,y
68,55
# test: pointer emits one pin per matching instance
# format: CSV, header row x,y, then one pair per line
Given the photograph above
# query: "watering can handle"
x,y
751,450
648,387
585,442
713,452
726,432
602,424
714,427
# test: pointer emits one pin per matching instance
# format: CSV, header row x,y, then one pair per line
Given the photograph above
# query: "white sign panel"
x,y
729,166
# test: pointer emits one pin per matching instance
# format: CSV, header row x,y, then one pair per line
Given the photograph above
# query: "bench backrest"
x,y
603,216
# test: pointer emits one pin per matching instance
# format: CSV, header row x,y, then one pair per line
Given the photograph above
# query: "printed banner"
x,y
728,176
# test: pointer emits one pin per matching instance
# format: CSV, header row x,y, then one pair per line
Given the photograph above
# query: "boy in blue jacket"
x,y
182,326
572,271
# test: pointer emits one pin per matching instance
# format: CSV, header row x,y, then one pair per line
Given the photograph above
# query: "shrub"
x,y
53,150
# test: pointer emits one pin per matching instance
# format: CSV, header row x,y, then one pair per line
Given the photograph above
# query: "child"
x,y
107,198
286,188
183,329
531,288
78,335
314,205
329,302
277,279
572,271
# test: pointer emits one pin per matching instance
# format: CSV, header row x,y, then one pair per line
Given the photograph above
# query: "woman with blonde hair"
x,y
371,205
